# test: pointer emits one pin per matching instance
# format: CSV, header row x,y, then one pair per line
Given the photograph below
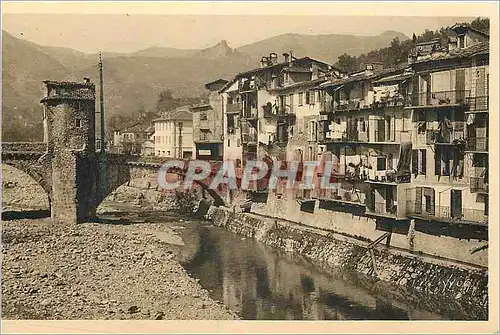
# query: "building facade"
x,y
174,134
208,124
408,145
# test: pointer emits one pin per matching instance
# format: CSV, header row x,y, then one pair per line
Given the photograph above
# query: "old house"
x,y
174,134
130,139
253,101
208,124
450,113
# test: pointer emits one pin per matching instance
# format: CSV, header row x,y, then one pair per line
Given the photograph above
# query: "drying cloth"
x,y
403,170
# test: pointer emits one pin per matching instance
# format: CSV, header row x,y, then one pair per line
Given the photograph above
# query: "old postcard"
x,y
188,167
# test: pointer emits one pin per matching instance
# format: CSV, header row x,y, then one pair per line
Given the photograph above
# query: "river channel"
x,y
262,283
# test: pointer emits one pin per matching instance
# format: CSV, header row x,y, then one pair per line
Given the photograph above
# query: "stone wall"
x,y
363,227
457,291
24,146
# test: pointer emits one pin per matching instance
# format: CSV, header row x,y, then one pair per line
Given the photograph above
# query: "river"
x,y
261,283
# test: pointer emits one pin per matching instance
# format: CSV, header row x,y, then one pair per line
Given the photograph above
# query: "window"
x,y
362,125
312,131
461,41
419,162
301,97
308,101
312,98
78,123
381,163
238,143
228,142
389,162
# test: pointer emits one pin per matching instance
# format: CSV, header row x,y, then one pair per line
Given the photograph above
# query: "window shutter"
x,y
437,161
423,168
418,200
414,162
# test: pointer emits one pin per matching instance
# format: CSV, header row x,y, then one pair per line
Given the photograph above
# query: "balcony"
x,y
478,104
251,114
444,213
441,98
346,105
204,125
235,108
249,138
385,209
478,185
453,136
477,144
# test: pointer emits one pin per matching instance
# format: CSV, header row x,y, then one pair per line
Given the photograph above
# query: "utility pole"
x,y
180,140
104,162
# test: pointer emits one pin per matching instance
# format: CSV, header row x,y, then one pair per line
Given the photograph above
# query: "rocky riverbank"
x,y
98,271
108,270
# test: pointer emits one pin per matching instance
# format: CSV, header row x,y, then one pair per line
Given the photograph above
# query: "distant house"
x,y
148,148
174,134
131,139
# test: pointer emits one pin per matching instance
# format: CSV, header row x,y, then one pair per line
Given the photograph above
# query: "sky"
x,y
131,32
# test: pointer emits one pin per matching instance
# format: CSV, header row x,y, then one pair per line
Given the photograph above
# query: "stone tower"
x,y
69,130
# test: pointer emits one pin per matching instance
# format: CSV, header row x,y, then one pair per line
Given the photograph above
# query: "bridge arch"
x,y
26,171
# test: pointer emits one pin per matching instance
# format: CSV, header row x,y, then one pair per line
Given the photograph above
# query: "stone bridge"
x,y
77,198
66,164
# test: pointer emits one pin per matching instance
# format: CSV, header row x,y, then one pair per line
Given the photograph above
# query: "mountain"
x,y
322,47
134,80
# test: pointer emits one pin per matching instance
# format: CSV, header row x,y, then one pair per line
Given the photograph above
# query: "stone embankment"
x,y
454,290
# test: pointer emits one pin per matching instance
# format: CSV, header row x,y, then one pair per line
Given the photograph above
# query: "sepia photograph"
x,y
216,162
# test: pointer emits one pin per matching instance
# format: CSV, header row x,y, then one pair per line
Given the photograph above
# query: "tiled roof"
x,y
68,83
308,83
75,94
182,113
473,50
364,76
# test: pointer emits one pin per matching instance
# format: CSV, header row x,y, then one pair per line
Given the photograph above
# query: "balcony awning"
x,y
398,77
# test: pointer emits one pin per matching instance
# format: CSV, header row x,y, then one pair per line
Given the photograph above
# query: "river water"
x,y
262,283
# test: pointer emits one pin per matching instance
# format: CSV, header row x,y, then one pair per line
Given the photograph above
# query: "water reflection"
x,y
259,283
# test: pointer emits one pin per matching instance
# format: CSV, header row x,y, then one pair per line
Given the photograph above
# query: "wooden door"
x,y
456,204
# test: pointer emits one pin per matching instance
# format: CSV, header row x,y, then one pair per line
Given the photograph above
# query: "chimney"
x,y
287,57
264,61
314,70
86,80
273,58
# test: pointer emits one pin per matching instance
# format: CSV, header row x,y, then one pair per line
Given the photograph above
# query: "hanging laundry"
x,y
470,119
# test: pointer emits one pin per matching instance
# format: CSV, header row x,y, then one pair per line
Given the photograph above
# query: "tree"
x,y
481,24
347,63
166,101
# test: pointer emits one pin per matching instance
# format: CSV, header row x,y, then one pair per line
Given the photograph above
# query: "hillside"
x,y
322,47
135,80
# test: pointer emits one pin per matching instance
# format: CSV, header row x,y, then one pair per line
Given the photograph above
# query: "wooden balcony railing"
x,y
441,98
478,185
478,104
477,144
445,212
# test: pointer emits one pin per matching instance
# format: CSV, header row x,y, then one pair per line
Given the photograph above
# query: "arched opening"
x,y
24,193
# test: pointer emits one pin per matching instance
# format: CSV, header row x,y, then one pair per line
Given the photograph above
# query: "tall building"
x,y
208,124
174,134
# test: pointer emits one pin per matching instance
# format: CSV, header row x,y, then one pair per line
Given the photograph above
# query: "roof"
x,y
138,128
480,48
364,76
397,77
85,93
182,113
200,107
467,26
315,83
68,83
218,82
